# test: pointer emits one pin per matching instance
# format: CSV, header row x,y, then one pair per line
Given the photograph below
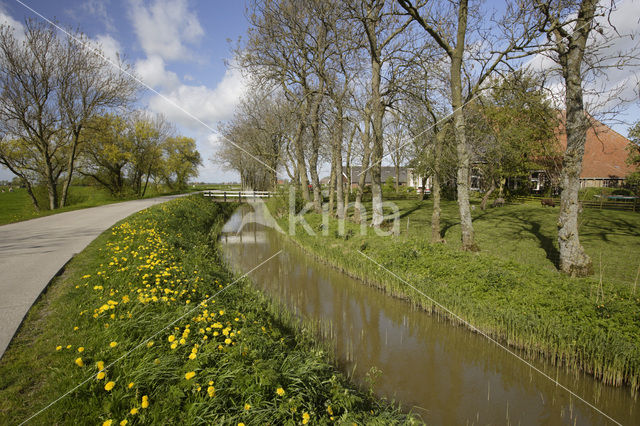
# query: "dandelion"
x,y
107,422
113,344
145,401
79,362
81,349
68,346
109,386
100,375
240,424
133,411
75,328
130,385
149,344
171,338
280,391
192,356
124,422
211,391
190,375
227,341
247,406
305,418
174,345
58,348
100,365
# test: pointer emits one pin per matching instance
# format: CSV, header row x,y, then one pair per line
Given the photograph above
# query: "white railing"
x,y
236,195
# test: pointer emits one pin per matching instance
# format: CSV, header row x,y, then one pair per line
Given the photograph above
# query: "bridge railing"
x,y
239,196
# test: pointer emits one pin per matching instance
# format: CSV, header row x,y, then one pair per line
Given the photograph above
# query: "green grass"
x,y
160,268
17,205
510,289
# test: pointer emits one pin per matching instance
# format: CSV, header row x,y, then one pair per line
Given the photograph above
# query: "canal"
x,y
444,373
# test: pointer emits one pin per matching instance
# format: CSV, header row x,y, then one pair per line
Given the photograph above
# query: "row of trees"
x,y
431,83
62,109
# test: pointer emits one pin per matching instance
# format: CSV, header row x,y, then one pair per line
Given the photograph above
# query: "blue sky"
x,y
180,47
177,47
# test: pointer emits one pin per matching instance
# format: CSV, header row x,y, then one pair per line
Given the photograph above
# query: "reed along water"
x,y
444,373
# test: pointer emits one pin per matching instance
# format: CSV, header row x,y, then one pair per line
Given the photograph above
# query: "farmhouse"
x,y
407,177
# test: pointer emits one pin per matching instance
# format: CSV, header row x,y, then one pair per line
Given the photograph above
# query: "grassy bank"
x,y
511,289
134,324
16,206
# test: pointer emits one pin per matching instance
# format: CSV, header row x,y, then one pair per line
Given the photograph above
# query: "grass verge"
x,y
237,358
584,324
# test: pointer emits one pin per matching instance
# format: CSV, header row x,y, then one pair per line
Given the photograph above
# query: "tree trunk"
x,y
338,154
348,170
573,259
29,189
301,166
485,198
70,164
459,129
377,151
315,148
332,179
435,187
366,156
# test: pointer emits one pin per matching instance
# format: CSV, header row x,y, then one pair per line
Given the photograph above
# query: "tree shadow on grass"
x,y
546,243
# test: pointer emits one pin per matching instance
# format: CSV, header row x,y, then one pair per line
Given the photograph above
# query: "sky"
x,y
181,50
178,48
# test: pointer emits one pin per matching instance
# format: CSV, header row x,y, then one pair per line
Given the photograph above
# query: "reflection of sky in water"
x,y
448,374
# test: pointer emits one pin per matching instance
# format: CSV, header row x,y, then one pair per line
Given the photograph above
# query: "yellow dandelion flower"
x,y
130,385
280,391
109,386
107,422
100,375
113,344
149,344
192,356
227,341
100,365
81,349
305,418
133,411
79,362
174,345
75,328
145,401
68,346
240,424
58,348
183,341
211,391
190,375
210,382
247,406
171,338
124,422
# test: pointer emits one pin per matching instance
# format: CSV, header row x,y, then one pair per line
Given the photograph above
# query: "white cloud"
x,y
207,105
152,71
98,8
612,87
110,47
6,19
165,28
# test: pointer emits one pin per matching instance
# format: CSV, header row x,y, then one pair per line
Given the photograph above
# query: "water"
x,y
442,372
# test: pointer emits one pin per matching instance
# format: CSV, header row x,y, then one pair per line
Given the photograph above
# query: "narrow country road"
x,y
32,252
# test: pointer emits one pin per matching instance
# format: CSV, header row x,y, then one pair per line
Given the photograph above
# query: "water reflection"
x,y
443,372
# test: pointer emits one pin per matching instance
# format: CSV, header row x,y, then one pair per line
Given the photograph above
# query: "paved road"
x,y
32,252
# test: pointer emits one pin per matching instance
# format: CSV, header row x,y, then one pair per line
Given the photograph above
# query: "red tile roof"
x,y
605,152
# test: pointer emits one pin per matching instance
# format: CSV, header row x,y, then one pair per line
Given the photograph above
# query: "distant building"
x,y
605,154
407,177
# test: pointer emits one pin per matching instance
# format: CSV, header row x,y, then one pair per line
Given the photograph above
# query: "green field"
x,y
146,326
17,205
511,289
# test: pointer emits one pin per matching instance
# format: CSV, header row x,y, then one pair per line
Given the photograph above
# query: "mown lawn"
x,y
510,289
147,327
16,206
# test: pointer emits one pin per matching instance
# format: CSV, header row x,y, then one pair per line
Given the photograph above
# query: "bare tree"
x,y
579,51
51,87
449,23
